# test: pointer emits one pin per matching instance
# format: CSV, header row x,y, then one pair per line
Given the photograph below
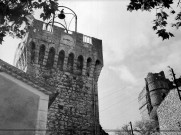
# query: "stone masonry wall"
x,y
169,114
73,110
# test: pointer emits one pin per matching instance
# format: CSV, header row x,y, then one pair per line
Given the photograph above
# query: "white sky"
x,y
131,49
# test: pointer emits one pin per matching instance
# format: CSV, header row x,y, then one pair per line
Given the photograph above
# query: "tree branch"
x,y
178,3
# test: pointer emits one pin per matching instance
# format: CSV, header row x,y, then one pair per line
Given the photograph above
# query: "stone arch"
x,y
61,57
32,52
70,62
88,66
41,54
80,61
51,45
51,56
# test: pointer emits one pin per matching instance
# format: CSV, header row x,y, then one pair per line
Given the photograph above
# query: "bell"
x,y
61,15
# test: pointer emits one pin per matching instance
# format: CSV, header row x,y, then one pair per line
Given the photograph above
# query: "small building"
x,y
23,102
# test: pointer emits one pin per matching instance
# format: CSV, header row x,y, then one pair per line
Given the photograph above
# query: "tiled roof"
x,y
26,78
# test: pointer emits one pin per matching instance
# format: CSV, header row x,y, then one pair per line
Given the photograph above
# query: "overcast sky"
x,y
131,49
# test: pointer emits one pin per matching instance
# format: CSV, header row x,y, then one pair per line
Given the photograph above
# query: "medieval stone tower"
x,y
71,63
157,87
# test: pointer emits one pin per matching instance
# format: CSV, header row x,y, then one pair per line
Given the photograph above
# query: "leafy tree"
x,y
125,130
16,15
164,9
140,128
146,127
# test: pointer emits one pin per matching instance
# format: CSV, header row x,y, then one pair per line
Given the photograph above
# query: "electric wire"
x,y
116,104
117,91
122,98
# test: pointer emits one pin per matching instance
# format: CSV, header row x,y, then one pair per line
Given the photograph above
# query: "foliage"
x,y
140,128
125,130
164,10
146,127
16,15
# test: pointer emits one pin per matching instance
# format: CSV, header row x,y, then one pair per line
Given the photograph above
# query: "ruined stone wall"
x,y
72,65
169,114
157,87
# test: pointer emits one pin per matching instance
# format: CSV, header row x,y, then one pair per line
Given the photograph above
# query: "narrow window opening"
x,y
41,54
89,61
32,51
70,62
61,57
80,64
50,60
97,66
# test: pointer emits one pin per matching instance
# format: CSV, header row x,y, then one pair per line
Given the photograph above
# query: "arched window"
x,y
32,51
61,57
80,60
97,66
20,63
98,63
50,59
41,54
89,62
22,60
70,62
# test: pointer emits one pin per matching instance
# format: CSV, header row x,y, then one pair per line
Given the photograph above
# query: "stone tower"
x,y
157,87
71,63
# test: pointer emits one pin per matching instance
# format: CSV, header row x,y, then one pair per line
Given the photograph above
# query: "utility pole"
x,y
174,79
131,128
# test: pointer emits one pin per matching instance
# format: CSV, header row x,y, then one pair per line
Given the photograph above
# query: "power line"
x,y
116,92
115,104
124,97
113,93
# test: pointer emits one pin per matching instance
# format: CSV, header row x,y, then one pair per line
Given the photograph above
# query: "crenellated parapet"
x,y
157,81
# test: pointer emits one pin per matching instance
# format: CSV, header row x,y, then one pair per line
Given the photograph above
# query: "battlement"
x,y
151,77
157,81
52,47
58,35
